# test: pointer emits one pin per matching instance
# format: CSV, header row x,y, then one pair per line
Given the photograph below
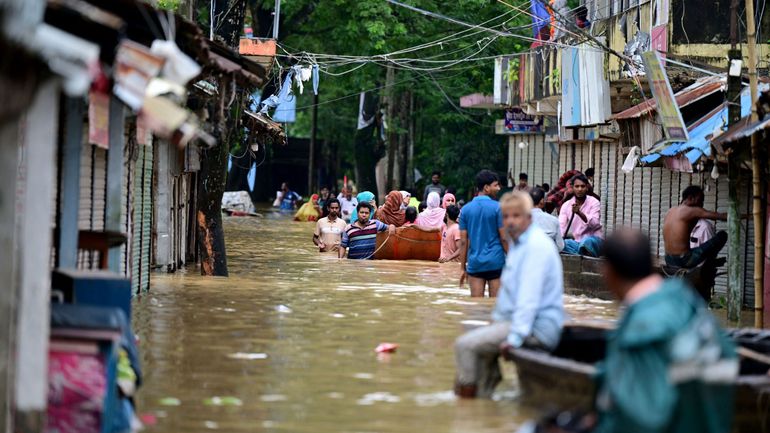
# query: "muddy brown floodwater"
x,y
286,343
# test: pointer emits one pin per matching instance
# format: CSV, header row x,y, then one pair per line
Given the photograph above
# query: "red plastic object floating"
x,y
386,348
148,419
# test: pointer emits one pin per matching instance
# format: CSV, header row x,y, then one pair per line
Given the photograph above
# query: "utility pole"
x,y
311,153
276,19
734,264
756,171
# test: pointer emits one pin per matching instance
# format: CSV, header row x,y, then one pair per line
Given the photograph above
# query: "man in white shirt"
x,y
328,231
348,203
547,222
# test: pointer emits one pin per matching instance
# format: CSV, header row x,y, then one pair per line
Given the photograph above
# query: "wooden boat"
x,y
409,243
564,377
701,277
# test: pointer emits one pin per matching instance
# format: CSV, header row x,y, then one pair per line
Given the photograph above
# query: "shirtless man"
x,y
680,222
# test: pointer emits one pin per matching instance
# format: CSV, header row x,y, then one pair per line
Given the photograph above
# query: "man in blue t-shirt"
x,y
482,238
290,198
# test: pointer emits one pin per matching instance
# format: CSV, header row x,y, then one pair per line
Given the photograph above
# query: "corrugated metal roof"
x,y
743,129
700,89
701,133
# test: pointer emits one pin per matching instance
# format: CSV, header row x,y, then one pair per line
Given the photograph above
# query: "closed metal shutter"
x,y
142,220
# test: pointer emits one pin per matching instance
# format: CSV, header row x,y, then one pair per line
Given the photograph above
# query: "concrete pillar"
x,y
161,206
9,151
69,188
113,214
38,165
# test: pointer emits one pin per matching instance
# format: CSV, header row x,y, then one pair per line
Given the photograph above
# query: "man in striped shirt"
x,y
360,238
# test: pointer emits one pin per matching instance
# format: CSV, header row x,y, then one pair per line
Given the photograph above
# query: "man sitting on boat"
x,y
529,310
678,226
669,367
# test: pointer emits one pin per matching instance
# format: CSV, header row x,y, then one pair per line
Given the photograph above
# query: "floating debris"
x,y
247,356
170,401
475,322
370,399
283,309
386,348
273,397
223,401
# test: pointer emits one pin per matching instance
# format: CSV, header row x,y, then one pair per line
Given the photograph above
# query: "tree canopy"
x,y
457,141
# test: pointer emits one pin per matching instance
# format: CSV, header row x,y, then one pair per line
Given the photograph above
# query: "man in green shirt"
x,y
669,365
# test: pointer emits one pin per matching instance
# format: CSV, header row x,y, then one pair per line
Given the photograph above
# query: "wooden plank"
x,y
113,209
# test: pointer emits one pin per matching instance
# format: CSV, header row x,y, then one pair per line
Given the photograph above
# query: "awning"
x,y
701,134
480,101
144,24
700,89
264,129
743,129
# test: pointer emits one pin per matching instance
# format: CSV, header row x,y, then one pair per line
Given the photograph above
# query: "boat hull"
x,y
551,380
408,243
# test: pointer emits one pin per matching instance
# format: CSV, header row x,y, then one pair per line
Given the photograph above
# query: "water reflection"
x,y
287,342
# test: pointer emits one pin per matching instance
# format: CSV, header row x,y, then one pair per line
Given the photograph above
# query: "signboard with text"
x,y
519,122
668,111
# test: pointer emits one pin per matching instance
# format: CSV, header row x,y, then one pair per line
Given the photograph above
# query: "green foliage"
x,y
457,141
169,5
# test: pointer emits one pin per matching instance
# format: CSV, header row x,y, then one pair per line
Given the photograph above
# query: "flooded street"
x,y
286,343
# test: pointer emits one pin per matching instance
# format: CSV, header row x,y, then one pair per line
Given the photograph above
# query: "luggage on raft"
x,y
408,243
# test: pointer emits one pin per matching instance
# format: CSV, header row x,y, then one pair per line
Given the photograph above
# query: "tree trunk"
x,y
212,177
403,138
410,143
311,152
392,102
367,148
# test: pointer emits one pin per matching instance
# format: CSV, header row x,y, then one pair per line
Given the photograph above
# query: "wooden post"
x,y
756,170
37,166
69,187
311,152
734,263
113,211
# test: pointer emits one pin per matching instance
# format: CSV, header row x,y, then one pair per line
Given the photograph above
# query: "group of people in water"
x,y
668,366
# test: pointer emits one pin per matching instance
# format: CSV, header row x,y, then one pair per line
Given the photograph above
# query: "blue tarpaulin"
x,y
540,17
699,144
